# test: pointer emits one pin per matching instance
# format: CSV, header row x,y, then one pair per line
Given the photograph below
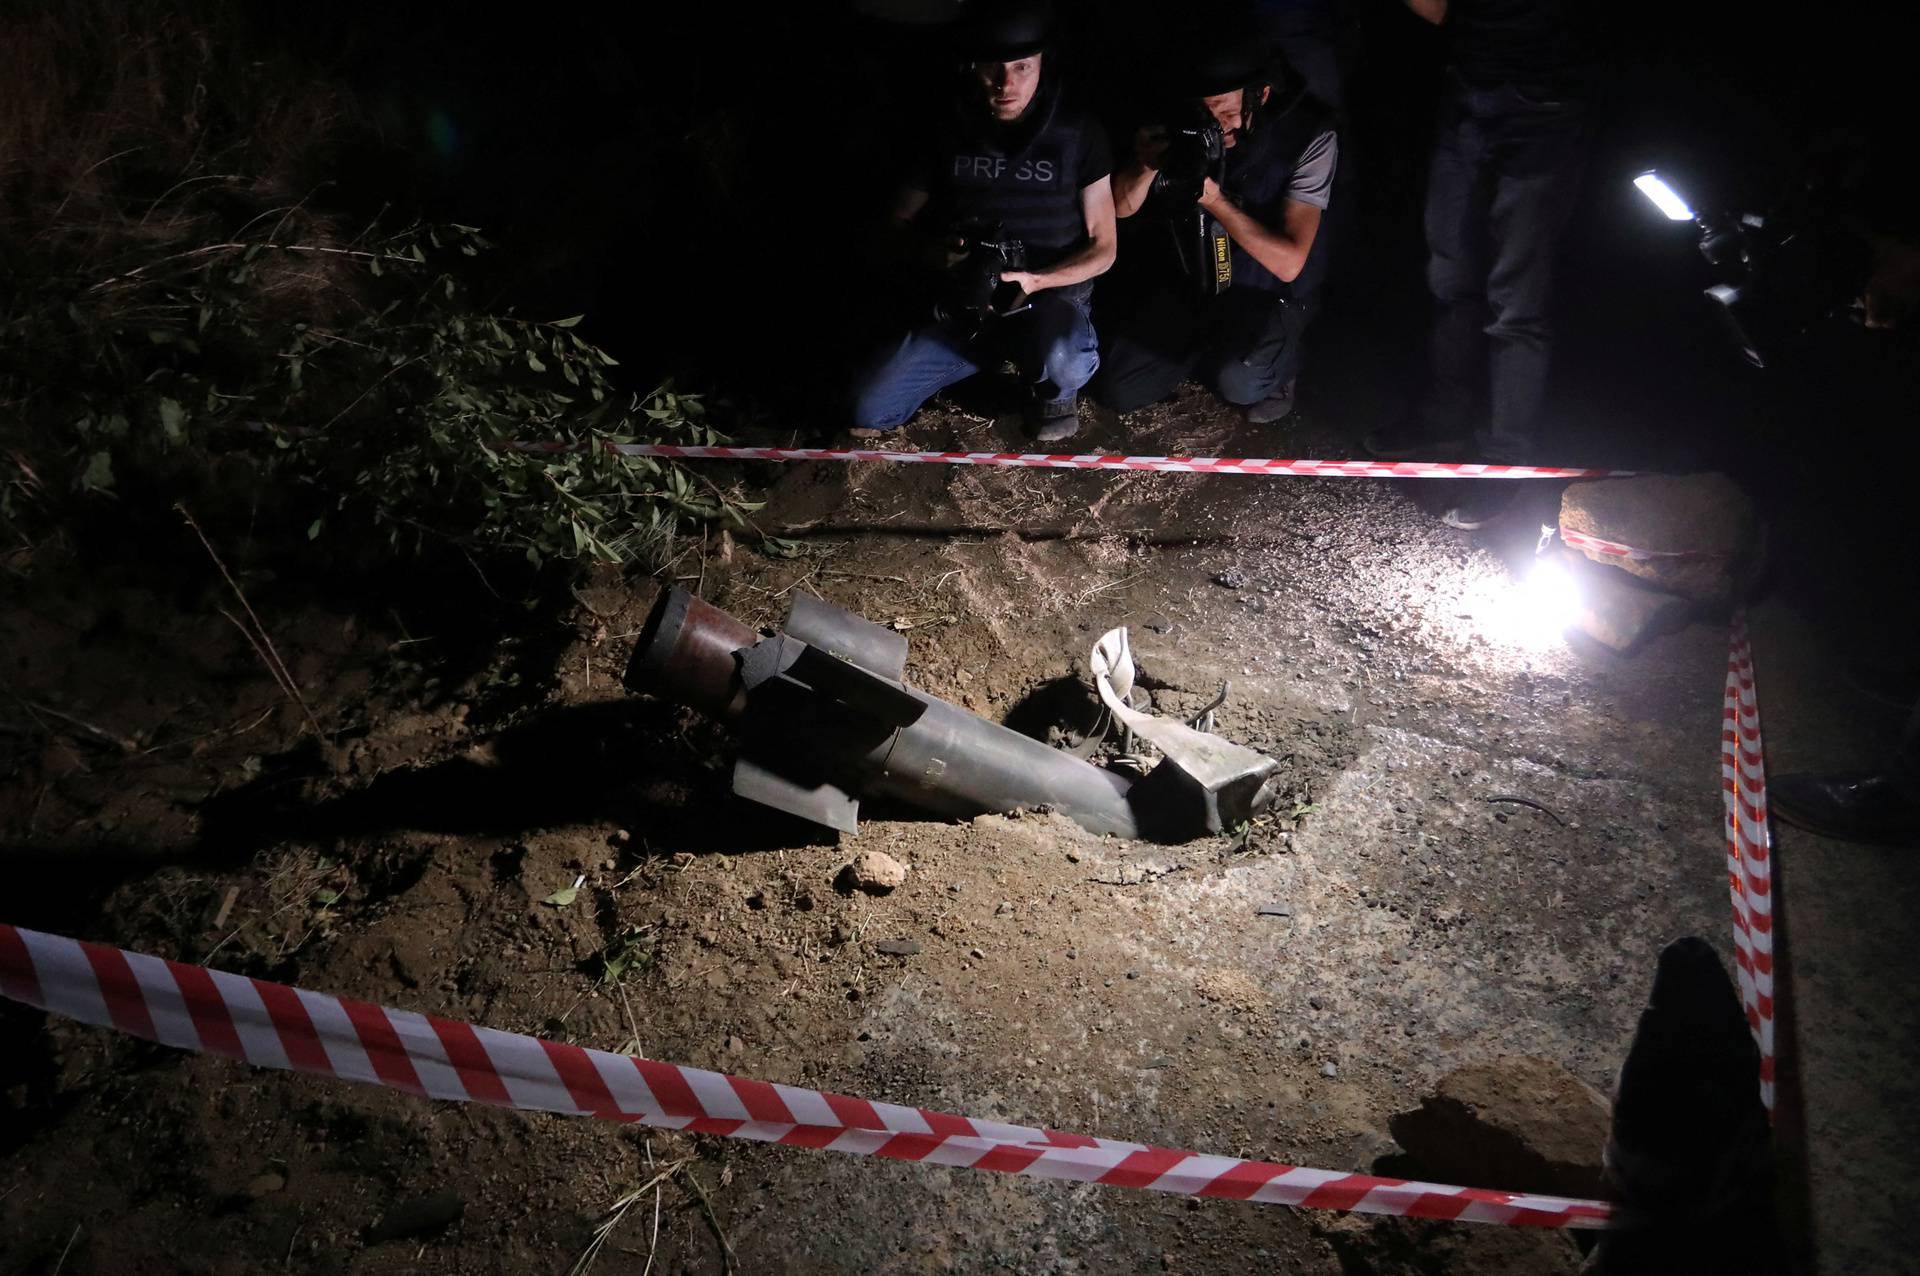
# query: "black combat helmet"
x,y
1004,30
1225,55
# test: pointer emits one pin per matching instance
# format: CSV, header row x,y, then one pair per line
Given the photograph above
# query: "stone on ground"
x,y
1705,516
874,872
1517,1124
1619,613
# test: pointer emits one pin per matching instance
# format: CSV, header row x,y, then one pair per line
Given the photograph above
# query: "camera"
x,y
1779,273
1200,243
974,291
1192,155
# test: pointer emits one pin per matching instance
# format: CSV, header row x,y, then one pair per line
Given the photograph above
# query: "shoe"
x,y
1853,808
865,433
1275,407
1483,501
1052,420
1410,440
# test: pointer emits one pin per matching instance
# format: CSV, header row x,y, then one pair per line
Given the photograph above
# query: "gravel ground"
x,y
1278,994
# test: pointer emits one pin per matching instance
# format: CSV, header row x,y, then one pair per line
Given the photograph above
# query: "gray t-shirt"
x,y
1312,181
1266,171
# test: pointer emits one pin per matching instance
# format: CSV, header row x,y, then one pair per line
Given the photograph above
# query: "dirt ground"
x,y
1278,994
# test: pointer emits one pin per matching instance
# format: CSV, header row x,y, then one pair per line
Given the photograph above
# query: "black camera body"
x,y
1200,244
1192,155
974,291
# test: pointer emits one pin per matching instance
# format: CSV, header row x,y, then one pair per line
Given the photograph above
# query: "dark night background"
x,y
702,181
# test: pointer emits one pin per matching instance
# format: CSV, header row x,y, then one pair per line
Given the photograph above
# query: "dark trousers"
x,y
1243,343
1906,758
1504,177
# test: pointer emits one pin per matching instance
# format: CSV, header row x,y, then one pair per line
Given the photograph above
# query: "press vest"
x,y
1259,172
1026,175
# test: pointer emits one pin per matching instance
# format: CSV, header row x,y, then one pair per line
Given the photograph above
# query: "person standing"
x,y
1506,164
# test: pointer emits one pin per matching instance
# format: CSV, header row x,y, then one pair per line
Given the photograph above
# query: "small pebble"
x,y
874,872
265,1184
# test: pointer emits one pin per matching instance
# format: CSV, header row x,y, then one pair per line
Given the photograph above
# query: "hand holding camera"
x,y
988,277
1188,160
945,253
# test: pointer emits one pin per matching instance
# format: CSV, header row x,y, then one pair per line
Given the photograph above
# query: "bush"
x,y
178,317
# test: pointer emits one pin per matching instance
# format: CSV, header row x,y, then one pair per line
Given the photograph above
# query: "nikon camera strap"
x,y
1204,250
1218,263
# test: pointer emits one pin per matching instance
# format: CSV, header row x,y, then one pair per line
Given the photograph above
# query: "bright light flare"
x,y
1664,197
1538,610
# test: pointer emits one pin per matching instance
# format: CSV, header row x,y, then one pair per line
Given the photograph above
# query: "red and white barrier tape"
x,y
1091,461
271,1025
1614,549
1743,780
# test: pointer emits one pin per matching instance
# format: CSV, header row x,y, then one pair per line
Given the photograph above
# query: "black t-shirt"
x,y
1543,45
1026,175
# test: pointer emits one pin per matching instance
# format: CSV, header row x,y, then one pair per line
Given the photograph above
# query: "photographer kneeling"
x,y
1235,199
1012,210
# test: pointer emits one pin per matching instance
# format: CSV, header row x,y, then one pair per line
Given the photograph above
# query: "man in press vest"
x,y
1007,214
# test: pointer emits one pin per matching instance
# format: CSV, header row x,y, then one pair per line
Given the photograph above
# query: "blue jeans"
x,y
1052,344
1505,174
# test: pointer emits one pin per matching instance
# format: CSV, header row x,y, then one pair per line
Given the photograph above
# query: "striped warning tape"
x,y
271,1025
1089,461
1743,781
1614,549
1275,466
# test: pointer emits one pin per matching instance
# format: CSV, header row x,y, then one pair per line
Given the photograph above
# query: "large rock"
x,y
1620,612
1705,517
1519,1124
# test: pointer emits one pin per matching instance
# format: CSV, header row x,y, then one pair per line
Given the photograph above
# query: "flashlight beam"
x,y
1664,197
